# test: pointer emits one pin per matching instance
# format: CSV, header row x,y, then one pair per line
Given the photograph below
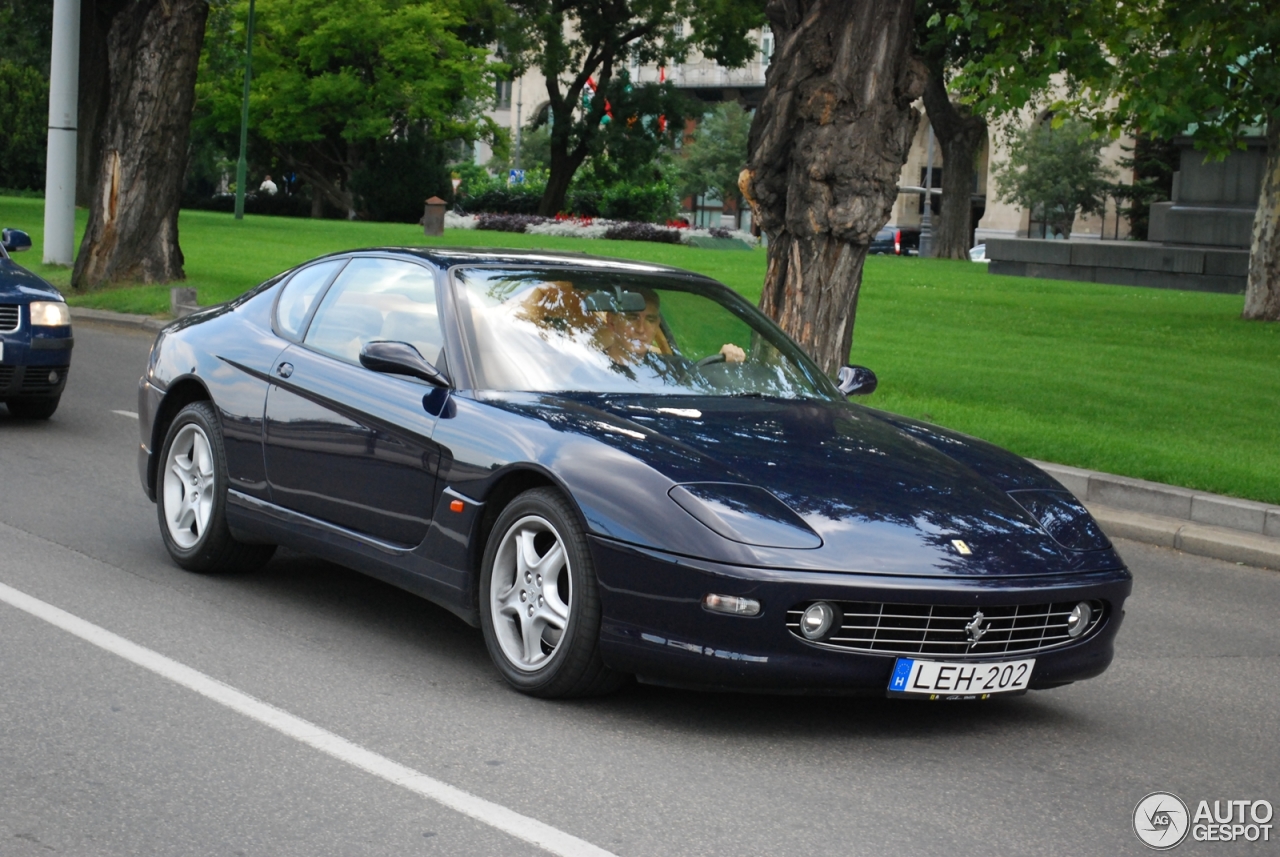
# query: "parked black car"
x,y
615,469
35,336
896,241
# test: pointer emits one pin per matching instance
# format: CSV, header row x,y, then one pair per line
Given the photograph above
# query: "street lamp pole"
x,y
244,118
926,221
60,157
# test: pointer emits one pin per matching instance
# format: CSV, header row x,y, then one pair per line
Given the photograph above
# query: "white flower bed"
x,y
594,228
570,229
453,220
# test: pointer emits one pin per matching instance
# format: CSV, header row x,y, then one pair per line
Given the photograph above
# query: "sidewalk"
x,y
1210,525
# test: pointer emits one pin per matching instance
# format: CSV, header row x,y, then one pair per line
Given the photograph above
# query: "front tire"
x,y
31,408
539,608
191,497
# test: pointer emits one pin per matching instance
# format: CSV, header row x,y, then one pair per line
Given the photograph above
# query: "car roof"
x,y
449,257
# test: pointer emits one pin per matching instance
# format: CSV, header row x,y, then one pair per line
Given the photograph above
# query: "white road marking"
x,y
126,414
513,823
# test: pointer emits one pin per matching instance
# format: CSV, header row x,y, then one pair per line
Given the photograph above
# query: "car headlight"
x,y
50,314
1063,517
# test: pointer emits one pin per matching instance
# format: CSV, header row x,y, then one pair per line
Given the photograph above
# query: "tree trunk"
x,y
1262,295
960,134
95,20
563,166
827,148
153,49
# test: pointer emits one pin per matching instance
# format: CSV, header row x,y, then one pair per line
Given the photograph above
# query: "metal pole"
x,y
244,117
519,127
926,221
60,157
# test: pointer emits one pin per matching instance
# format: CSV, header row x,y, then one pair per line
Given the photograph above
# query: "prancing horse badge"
x,y
961,547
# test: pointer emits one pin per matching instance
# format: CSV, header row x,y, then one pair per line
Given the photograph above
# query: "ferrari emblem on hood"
x,y
961,548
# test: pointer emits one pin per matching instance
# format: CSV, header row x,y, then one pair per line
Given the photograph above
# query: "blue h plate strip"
x,y
901,672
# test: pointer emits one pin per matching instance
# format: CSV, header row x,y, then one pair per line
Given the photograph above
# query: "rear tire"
x,y
191,498
30,408
539,608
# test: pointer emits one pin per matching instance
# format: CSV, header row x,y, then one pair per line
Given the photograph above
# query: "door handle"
x,y
284,370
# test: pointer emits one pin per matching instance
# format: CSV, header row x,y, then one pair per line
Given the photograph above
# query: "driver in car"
x,y
628,336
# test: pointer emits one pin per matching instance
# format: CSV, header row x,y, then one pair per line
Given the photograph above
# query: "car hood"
x,y
18,285
883,494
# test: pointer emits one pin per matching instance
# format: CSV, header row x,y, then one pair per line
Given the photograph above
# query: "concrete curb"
x,y
1203,524
103,316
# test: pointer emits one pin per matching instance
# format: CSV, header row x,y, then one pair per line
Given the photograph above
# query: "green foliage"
x,y
1015,53
495,195
399,175
26,31
1153,162
24,119
649,203
716,155
1055,172
334,81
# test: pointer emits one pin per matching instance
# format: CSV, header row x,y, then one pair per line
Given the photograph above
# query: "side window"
x,y
299,294
385,299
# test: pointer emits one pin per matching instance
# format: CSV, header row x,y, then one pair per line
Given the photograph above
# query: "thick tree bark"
x,y
153,50
960,134
1262,295
95,21
827,148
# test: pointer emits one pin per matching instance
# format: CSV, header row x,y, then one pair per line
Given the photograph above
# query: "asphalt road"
x,y
100,756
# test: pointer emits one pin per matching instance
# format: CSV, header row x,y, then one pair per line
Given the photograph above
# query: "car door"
x,y
345,444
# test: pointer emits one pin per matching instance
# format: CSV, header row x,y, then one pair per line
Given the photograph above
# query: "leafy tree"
x,y
1210,67
987,61
24,119
332,79
26,31
1205,67
572,42
716,155
1055,172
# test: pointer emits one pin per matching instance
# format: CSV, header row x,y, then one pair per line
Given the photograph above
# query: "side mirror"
x,y
400,358
15,240
857,380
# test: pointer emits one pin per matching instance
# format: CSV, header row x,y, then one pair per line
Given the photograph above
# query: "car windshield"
x,y
569,330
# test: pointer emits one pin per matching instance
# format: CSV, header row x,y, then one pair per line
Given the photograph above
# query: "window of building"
x,y
502,93
766,46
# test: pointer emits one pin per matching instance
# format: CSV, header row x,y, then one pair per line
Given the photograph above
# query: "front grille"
x,y
8,318
36,378
6,376
939,631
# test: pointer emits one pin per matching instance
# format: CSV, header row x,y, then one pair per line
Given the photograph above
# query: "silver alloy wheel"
x,y
530,593
188,486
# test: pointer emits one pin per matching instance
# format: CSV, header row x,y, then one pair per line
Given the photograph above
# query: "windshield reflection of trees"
x,y
554,331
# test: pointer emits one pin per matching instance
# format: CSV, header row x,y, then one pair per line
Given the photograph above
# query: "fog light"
x,y
817,620
1078,621
731,604
53,377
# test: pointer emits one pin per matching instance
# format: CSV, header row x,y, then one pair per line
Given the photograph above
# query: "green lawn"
x,y
1162,385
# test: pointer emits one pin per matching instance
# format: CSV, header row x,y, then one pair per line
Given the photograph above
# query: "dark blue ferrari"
x,y
616,469
35,336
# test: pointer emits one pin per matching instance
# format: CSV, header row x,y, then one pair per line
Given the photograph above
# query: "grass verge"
x,y
1163,385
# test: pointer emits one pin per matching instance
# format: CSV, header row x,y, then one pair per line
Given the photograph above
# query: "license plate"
x,y
958,680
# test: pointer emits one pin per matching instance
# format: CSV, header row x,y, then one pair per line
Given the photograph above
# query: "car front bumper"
x,y
654,624
29,360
